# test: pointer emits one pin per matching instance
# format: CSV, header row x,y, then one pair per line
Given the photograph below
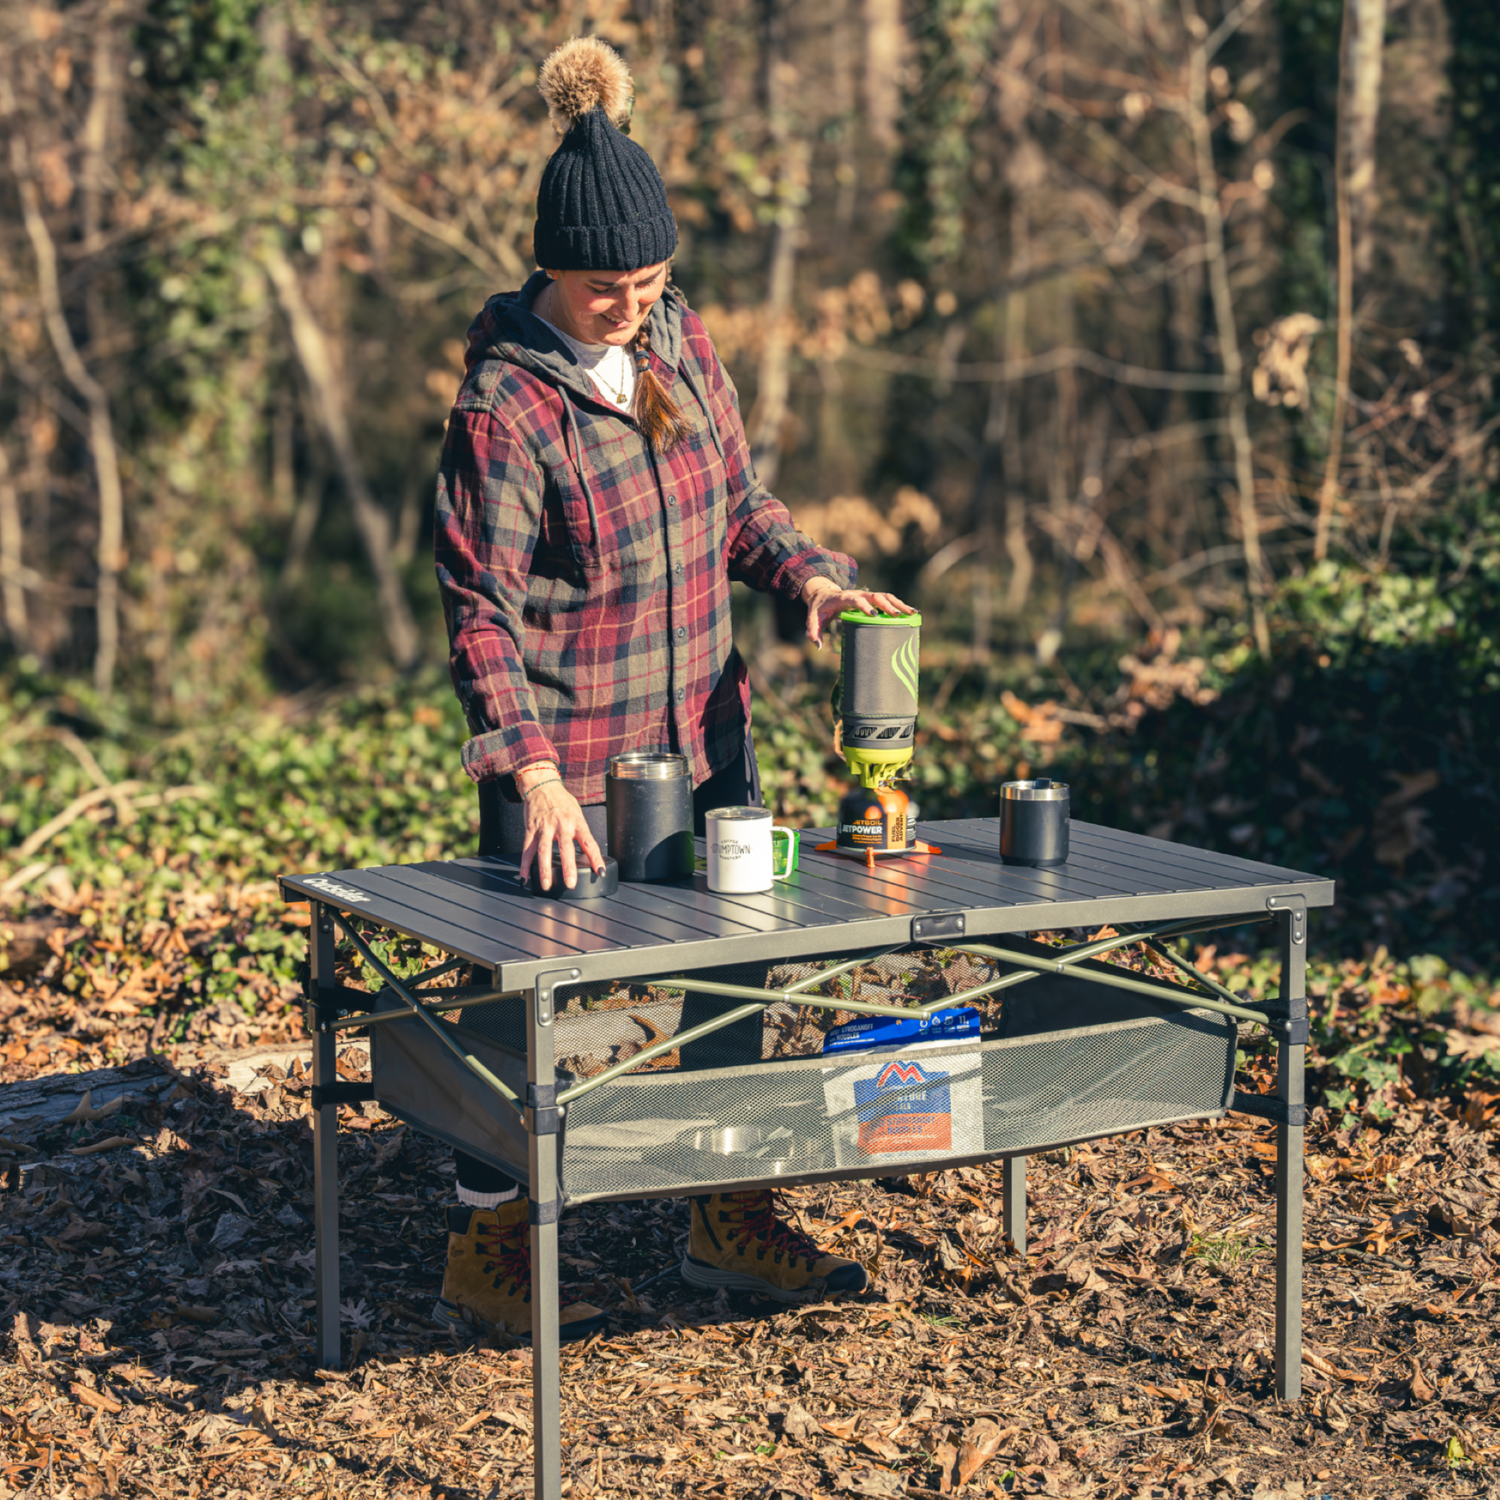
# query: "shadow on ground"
x,y
157,1301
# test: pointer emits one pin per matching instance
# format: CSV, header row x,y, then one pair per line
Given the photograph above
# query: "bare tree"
x,y
331,402
12,585
1027,171
1361,54
1361,45
769,415
110,550
883,42
1210,207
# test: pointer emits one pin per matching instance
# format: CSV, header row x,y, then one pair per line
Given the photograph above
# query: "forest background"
x,y
1149,349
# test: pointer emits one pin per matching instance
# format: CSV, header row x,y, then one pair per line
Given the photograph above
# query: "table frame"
x,y
333,1008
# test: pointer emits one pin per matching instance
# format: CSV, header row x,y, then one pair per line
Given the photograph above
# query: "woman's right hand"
x,y
553,817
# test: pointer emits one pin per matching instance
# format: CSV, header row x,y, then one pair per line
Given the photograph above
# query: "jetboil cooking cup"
x,y
648,806
745,853
1034,823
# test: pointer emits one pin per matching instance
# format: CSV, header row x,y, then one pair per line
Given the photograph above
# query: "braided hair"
x,y
660,417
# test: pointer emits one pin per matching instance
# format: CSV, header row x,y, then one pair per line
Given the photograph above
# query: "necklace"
x,y
620,393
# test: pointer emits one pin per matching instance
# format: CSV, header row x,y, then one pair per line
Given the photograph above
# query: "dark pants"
x,y
502,829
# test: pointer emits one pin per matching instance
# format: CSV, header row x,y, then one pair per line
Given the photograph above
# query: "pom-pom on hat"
x,y
602,205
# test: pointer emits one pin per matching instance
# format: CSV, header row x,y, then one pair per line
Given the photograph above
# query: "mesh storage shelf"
x,y
1060,1060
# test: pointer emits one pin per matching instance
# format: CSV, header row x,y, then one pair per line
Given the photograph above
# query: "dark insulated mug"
x,y
590,887
1034,823
648,805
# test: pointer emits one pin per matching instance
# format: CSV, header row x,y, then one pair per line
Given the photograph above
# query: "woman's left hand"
x,y
825,599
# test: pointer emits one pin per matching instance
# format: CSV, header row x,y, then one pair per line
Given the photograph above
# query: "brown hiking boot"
x,y
487,1284
738,1243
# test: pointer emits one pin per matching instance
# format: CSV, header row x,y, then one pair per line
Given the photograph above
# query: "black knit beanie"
x,y
602,205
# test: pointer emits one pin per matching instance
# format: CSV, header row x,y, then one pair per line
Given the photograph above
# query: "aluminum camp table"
x,y
583,1102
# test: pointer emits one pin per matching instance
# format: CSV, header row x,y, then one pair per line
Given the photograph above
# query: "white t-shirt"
x,y
610,366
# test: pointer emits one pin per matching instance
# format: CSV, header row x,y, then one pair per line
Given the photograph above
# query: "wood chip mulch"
x,y
156,1335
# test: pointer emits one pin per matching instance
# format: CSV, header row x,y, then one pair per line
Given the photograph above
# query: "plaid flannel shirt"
x,y
585,581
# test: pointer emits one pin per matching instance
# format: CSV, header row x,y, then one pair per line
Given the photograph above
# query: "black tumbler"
x,y
648,805
1034,823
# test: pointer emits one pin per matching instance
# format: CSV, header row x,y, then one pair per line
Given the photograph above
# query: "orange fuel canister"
x,y
873,818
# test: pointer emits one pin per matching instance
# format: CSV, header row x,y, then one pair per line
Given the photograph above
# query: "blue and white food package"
x,y
903,1103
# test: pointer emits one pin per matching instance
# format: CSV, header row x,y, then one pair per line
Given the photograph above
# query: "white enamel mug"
x,y
742,850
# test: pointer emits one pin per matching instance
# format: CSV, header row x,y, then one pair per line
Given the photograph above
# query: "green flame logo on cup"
x,y
904,664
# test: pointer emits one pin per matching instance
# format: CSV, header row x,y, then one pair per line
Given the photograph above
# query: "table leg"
x,y
322,945
1013,1196
545,1210
1291,932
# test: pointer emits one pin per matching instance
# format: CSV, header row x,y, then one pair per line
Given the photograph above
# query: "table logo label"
x,y
334,888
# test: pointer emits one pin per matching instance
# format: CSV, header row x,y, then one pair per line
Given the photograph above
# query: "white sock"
x,y
470,1199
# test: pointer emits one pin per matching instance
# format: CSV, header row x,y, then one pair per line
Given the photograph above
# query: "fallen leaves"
x,y
882,1447
111,1143
1153,1181
945,1461
675,1388
799,1425
1378,1238
1350,1168
77,1229
980,1445
1421,1390
963,1356
510,1418
1326,1367
1481,1104
1442,1310
874,1484
95,1399
1178,1392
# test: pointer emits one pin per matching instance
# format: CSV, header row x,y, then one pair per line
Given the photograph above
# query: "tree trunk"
x,y
842,32
773,379
1360,56
330,400
1017,548
982,524
1230,359
884,38
1360,59
97,130
43,617
106,457
11,587
1076,517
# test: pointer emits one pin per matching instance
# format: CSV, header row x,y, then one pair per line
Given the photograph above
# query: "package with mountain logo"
x,y
919,1098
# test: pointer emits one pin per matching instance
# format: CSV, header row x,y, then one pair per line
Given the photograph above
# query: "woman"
x,y
595,501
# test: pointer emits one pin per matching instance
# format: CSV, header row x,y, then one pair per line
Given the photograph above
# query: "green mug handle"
x,y
783,853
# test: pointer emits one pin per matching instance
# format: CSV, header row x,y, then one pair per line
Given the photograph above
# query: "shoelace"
x,y
758,1221
510,1254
